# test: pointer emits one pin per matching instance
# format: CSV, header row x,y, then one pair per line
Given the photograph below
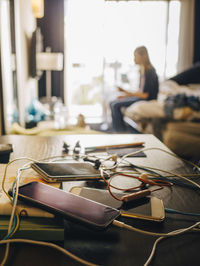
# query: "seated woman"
x,y
175,116
148,89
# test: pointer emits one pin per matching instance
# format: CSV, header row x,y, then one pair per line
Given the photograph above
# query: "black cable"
x,y
174,181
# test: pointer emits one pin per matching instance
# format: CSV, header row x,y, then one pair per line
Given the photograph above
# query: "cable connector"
x,y
96,162
118,223
65,147
77,150
136,195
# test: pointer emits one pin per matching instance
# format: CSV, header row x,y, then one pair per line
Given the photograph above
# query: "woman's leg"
x,y
118,124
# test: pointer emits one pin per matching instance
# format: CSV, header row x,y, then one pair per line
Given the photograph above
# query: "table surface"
x,y
116,246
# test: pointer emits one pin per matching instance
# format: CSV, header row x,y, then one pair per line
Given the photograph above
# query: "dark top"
x,y
151,85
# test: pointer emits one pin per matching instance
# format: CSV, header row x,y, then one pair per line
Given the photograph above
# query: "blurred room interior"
x,y
61,61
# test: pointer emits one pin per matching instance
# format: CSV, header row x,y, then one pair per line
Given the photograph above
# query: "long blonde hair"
x,y
142,51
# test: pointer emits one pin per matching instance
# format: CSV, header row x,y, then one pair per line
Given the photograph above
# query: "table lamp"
x,y
48,61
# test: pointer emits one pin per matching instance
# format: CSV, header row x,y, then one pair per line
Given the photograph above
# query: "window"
x,y
100,39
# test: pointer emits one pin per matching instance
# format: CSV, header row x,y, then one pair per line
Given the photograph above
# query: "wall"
x,y
196,57
1,103
7,93
25,24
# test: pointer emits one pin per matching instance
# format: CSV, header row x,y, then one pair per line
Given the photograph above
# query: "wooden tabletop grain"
x,y
118,247
39,147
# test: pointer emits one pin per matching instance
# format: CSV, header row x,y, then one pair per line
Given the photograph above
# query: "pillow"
x,y
145,109
189,76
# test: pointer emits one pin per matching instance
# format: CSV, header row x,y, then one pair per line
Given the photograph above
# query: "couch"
x,y
175,116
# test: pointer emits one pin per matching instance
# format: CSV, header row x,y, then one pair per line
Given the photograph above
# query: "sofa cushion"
x,y
183,138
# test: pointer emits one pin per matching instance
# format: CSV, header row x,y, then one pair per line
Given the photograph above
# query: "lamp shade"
x,y
38,8
49,61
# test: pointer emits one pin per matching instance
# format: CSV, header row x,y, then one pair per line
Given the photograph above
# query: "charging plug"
x,y
136,195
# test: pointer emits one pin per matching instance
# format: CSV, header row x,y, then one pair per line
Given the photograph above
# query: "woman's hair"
x,y
142,51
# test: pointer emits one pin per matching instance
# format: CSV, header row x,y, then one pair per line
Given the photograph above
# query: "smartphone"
x,y
59,172
70,206
148,208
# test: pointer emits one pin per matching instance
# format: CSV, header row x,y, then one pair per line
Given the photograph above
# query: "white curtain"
x,y
186,35
1,110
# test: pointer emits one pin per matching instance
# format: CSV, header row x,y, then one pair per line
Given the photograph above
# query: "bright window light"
x,y
100,39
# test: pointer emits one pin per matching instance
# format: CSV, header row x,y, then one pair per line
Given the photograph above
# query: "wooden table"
x,y
117,246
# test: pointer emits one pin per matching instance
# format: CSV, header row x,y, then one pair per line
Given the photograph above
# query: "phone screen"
x,y
149,208
67,204
66,171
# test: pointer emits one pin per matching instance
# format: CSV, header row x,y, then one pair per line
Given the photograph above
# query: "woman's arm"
x,y
142,95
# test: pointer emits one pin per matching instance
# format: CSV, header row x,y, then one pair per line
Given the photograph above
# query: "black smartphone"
x,y
67,171
68,205
147,208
